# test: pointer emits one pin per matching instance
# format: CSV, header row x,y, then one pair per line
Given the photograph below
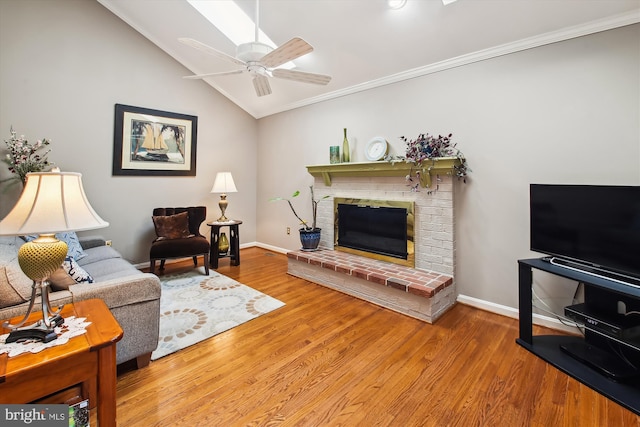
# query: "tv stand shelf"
x,y
547,347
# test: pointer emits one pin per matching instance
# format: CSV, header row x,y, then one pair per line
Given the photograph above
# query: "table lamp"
x,y
51,202
223,184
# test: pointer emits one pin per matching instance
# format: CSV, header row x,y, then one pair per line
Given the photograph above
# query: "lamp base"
x,y
38,333
223,203
50,319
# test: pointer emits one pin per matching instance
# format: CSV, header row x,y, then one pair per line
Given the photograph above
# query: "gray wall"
x,y
63,67
563,113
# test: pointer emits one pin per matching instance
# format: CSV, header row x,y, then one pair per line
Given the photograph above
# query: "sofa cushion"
x,y
110,269
97,254
60,279
15,286
172,226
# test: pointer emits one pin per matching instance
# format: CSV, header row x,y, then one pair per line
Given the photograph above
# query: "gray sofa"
x,y
132,296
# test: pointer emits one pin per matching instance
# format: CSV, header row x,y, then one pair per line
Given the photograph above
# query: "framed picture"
x,y
152,142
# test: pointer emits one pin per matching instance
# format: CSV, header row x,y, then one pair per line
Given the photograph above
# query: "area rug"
x,y
194,307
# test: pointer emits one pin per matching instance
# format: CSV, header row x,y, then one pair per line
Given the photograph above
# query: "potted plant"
x,y
309,234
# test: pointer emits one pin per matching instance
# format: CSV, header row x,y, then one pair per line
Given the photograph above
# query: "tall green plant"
x,y
314,208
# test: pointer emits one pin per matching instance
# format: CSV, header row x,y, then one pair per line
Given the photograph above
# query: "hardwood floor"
x,y
330,359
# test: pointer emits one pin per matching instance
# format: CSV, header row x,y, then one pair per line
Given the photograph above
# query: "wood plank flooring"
x,y
329,359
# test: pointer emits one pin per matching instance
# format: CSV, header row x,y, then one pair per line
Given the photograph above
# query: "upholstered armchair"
x,y
178,236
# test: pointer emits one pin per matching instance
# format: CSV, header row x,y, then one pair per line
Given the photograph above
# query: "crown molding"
x,y
616,21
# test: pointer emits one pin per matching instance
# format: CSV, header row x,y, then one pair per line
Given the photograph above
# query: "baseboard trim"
x,y
507,311
271,248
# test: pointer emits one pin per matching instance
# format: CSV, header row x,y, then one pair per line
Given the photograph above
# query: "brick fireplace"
x,y
425,291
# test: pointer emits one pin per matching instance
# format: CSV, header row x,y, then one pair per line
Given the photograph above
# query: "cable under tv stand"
x,y
573,354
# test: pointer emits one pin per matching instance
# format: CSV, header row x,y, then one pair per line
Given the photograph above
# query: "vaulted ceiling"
x,y
363,43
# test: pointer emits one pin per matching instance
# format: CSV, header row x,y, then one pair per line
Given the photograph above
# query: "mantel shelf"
x,y
428,168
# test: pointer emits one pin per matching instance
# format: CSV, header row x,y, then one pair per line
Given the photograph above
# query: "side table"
x,y
234,242
88,359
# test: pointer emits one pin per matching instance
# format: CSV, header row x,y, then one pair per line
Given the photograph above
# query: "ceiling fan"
x,y
261,61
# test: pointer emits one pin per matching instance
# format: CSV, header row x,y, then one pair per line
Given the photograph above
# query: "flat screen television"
x,y
592,226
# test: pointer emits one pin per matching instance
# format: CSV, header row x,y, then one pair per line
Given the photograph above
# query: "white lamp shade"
x,y
224,183
51,202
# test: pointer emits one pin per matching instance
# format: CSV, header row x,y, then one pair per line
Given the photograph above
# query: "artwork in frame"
x,y
154,143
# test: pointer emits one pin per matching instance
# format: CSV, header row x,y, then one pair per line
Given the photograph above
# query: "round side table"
x,y
234,242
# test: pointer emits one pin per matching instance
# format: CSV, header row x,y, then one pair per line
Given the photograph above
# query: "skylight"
x,y
236,25
227,16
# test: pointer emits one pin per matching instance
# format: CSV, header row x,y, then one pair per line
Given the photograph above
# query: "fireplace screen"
x,y
380,229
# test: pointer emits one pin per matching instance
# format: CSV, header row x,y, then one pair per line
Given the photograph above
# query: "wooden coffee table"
x,y
89,359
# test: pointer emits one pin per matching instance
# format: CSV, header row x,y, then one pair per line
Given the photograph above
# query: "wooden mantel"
x,y
428,168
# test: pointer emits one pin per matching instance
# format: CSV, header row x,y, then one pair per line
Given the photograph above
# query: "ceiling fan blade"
x,y
294,48
211,51
301,76
261,85
222,73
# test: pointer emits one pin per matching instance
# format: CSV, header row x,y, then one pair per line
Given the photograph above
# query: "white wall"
x,y
563,113
63,67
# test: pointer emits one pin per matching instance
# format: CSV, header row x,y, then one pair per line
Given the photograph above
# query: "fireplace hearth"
x,y
407,289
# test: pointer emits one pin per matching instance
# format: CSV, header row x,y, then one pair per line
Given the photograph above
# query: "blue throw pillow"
x,y
75,249
73,244
77,273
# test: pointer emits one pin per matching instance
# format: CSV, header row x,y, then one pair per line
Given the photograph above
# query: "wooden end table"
x,y
234,242
88,359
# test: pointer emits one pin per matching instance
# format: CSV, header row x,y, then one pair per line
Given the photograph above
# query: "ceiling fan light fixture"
x,y
396,4
253,51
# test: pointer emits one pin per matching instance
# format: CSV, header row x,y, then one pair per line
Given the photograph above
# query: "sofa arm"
x,y
135,303
88,242
121,291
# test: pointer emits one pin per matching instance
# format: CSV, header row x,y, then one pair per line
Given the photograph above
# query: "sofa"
x,y
132,296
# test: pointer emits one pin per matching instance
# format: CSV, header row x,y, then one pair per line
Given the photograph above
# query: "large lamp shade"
x,y
51,202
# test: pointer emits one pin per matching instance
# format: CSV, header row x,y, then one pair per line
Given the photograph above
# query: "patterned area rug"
x,y
194,307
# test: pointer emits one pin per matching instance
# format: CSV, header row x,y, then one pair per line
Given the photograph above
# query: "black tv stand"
x,y
601,361
575,355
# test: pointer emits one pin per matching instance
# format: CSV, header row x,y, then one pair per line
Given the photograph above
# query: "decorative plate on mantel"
x,y
376,149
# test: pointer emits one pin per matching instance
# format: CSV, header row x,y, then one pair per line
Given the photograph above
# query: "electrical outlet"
x,y
108,243
288,230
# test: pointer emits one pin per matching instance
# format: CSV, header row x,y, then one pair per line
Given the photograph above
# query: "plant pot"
x,y
310,239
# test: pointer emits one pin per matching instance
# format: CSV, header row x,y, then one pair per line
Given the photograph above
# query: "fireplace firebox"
x,y
375,228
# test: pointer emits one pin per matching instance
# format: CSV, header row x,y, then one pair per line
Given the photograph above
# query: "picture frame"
x,y
150,142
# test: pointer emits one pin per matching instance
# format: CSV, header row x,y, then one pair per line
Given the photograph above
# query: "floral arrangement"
x,y
24,157
314,208
426,147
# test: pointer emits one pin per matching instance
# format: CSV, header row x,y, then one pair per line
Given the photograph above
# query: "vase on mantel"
x,y
346,158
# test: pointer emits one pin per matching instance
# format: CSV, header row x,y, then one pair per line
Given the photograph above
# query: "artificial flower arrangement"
x,y
427,147
24,157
